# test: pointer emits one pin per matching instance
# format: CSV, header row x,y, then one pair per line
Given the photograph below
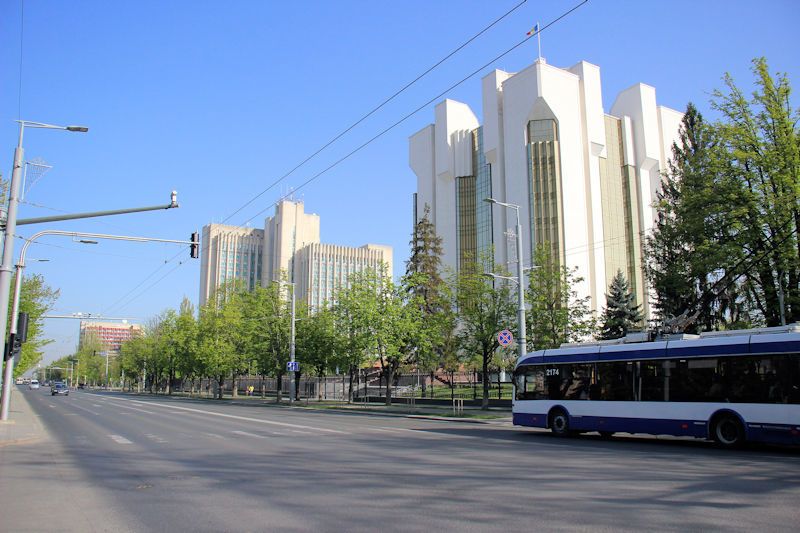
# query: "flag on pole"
x,y
534,30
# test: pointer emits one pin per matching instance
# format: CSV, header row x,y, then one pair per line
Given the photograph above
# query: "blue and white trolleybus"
x,y
731,387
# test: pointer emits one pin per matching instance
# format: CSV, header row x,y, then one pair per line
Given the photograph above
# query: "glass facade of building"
x,y
621,227
483,190
474,215
544,182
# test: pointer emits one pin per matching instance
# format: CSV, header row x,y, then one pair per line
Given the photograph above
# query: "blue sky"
x,y
218,100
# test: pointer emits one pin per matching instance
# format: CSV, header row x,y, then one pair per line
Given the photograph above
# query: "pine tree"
x,y
424,265
427,291
620,314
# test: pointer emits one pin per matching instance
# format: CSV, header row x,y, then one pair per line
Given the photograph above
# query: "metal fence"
x,y
367,384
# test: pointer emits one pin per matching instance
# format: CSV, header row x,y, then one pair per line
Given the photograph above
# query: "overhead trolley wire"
x,y
374,110
377,136
420,108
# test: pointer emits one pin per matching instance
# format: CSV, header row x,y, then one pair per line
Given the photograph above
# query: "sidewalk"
x,y
22,426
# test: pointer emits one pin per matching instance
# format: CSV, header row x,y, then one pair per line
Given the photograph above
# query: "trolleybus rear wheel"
x,y
728,432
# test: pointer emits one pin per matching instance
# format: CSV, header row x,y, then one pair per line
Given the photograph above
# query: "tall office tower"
x,y
323,269
284,234
108,336
229,253
585,180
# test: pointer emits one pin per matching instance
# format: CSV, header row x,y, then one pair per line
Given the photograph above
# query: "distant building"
x,y
107,335
289,245
585,180
284,234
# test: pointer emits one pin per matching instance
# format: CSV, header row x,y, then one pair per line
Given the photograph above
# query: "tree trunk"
x,y
220,386
350,391
263,387
279,392
452,386
234,385
389,377
485,400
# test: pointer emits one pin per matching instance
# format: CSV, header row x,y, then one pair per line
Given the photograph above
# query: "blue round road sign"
x,y
505,338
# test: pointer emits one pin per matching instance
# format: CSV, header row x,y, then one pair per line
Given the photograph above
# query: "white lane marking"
x,y
397,429
246,434
119,439
75,405
301,432
96,405
156,438
51,405
133,408
236,417
429,434
215,435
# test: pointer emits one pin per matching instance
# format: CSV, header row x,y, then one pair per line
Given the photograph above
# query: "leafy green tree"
x,y
693,243
762,139
483,311
133,359
390,321
353,329
621,312
216,343
185,343
556,313
36,298
317,343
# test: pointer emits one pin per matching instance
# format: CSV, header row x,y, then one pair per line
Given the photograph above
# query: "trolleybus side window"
x,y
756,379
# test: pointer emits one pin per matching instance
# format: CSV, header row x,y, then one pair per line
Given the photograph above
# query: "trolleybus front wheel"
x,y
559,422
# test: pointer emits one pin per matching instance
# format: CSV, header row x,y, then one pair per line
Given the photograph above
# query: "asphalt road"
x,y
127,463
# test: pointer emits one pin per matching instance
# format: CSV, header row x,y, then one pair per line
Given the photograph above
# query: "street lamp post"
x,y
522,341
11,227
8,370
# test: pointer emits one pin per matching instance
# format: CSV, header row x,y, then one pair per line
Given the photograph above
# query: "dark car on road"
x,y
59,388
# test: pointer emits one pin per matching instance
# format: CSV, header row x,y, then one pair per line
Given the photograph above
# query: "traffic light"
x,y
16,349
194,249
22,327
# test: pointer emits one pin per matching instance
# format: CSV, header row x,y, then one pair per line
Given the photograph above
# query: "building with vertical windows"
x,y
230,253
585,179
288,248
288,231
323,269
108,336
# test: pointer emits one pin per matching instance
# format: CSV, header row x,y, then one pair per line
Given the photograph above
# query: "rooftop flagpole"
x,y
539,40
535,31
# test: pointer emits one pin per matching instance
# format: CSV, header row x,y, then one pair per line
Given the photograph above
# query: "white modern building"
x,y
585,179
288,248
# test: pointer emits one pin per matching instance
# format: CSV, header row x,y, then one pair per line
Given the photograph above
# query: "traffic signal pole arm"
x,y
8,369
56,218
